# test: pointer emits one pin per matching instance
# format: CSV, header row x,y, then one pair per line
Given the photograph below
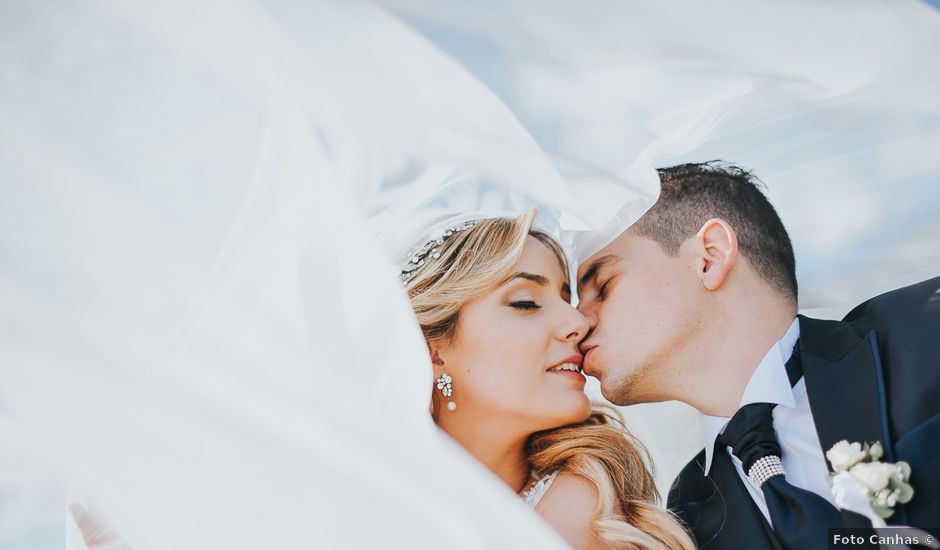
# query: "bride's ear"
x,y
436,359
717,247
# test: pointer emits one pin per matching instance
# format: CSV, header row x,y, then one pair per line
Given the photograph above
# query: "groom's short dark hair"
x,y
695,193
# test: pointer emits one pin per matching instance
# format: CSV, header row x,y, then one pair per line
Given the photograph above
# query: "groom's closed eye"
x,y
591,274
602,291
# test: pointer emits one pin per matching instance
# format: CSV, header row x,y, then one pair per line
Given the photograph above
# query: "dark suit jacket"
x,y
874,376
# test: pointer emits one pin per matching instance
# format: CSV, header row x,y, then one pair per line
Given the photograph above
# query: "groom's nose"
x,y
587,309
591,318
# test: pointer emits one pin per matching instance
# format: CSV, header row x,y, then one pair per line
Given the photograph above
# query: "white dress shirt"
x,y
803,459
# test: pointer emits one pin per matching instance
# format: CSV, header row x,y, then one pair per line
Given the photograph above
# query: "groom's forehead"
x,y
612,252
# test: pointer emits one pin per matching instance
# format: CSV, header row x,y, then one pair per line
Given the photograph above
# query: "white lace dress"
x,y
537,488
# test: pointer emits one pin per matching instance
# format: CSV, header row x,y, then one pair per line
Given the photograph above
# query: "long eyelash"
x,y
525,305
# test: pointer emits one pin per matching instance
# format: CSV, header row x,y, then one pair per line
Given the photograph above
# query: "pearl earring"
x,y
444,383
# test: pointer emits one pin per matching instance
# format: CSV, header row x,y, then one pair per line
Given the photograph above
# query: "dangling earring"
x,y
444,383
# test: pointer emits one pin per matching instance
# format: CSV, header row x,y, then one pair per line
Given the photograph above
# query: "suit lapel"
x,y
845,386
739,505
843,381
717,509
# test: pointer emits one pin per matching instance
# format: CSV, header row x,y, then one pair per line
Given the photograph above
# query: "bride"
x,y
492,297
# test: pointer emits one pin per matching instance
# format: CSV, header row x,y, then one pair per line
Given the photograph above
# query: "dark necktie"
x,y
800,518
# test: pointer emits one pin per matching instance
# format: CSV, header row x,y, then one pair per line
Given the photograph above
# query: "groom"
x,y
697,302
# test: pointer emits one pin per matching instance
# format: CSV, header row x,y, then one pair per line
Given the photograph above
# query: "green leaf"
x,y
884,512
905,491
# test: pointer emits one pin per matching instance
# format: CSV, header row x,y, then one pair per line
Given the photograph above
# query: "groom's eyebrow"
x,y
595,267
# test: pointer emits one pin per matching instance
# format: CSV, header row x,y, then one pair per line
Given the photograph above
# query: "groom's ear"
x,y
717,248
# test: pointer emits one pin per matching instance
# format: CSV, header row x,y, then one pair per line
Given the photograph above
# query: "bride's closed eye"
x,y
527,305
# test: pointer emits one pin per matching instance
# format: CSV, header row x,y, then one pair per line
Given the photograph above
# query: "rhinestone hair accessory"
x,y
430,251
764,469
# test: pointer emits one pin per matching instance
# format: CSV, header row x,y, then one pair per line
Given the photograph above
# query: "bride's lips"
x,y
574,360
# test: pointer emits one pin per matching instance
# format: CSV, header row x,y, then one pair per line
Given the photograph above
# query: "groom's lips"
x,y
586,366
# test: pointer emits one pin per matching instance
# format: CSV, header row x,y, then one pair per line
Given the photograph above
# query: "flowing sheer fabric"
x,y
833,105
197,320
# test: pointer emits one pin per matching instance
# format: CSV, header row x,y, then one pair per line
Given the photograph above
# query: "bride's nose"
x,y
575,327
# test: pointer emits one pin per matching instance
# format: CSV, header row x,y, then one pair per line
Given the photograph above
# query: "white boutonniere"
x,y
863,484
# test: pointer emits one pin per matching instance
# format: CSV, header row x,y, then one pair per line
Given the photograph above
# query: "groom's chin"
x,y
616,393
622,388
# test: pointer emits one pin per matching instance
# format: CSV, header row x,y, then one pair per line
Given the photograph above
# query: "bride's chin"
x,y
561,410
585,412
578,410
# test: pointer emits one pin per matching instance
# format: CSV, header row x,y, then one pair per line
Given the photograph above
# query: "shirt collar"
x,y
768,384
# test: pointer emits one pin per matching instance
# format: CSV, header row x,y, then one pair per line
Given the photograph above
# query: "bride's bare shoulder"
x,y
568,506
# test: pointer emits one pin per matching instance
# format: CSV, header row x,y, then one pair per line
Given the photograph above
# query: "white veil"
x,y
832,104
197,322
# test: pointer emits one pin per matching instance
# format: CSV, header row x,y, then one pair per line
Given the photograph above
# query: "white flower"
x,y
874,476
866,486
843,455
850,495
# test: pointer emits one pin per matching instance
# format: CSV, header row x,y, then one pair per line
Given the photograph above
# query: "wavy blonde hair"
x,y
600,449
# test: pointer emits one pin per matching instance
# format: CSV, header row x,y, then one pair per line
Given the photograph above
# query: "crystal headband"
x,y
430,250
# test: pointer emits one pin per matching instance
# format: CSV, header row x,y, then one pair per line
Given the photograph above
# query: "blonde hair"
x,y
600,449
603,451
472,262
